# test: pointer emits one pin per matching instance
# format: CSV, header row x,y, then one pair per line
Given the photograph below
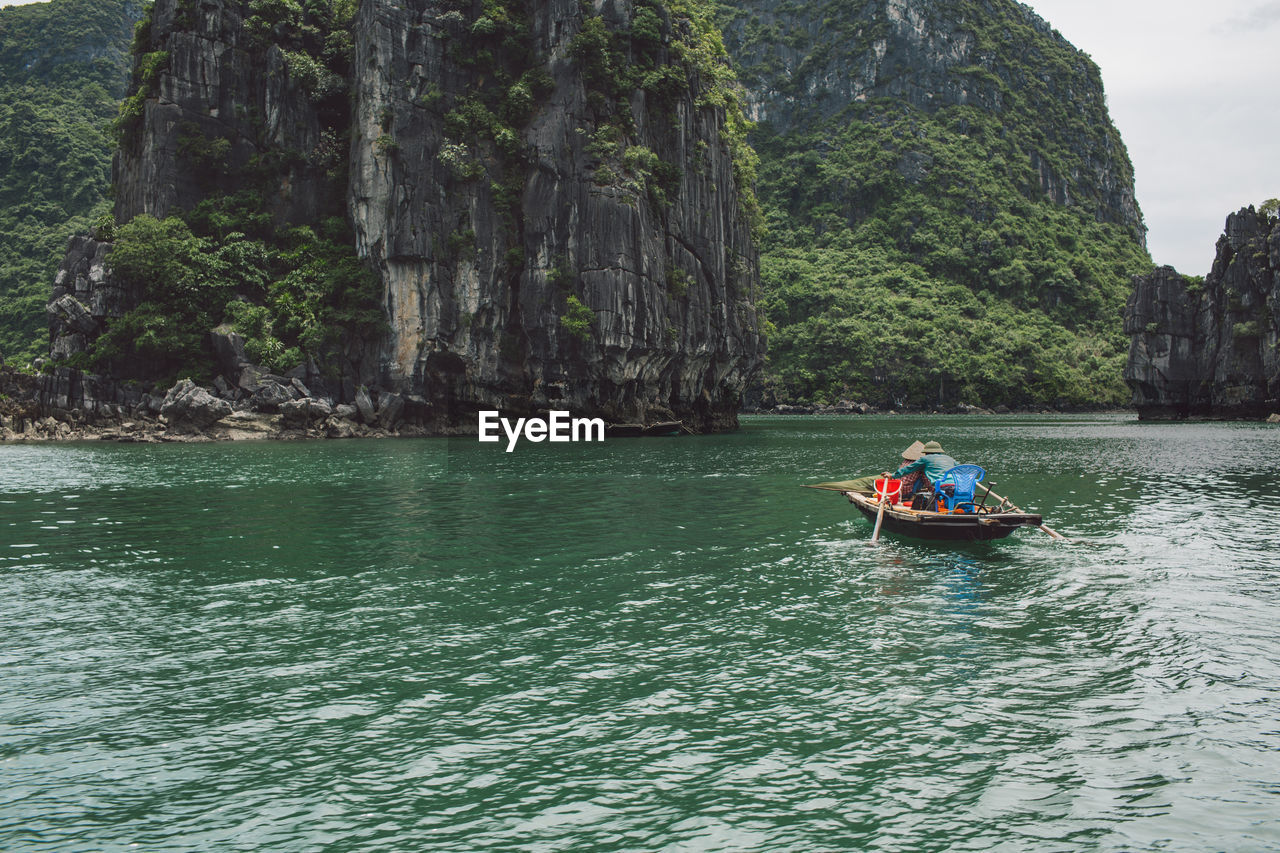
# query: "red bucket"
x,y
889,488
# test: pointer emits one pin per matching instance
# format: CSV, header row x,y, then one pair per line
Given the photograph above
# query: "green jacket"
x,y
934,465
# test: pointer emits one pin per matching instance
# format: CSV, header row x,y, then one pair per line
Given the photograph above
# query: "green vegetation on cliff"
x,y
943,287
63,69
293,294
954,232
666,46
294,291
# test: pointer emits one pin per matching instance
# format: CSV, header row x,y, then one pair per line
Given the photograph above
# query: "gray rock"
x,y
250,378
72,314
667,290
82,298
305,412
187,407
228,346
345,410
417,409
341,428
300,386
66,345
319,407
914,166
365,405
1210,350
295,414
270,396
390,408
250,425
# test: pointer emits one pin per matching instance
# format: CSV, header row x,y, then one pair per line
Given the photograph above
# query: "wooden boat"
x,y
662,428
984,525
623,430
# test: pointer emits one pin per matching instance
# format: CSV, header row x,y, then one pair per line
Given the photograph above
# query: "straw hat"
x,y
933,447
914,452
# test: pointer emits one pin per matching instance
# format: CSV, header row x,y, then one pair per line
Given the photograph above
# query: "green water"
x,y
650,644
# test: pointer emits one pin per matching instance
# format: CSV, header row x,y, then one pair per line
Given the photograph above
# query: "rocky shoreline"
x,y
280,409
962,409
238,427
848,408
284,409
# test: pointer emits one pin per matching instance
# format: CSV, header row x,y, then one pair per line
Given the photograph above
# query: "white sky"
x,y
1194,87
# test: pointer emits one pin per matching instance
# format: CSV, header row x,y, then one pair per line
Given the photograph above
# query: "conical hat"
x,y
914,452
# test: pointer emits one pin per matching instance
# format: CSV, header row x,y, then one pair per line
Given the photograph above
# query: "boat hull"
x,y
943,526
665,428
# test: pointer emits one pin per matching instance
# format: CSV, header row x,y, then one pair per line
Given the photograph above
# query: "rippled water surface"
x,y
648,644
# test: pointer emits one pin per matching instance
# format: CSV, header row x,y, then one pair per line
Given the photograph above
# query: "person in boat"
x,y
932,464
912,481
867,485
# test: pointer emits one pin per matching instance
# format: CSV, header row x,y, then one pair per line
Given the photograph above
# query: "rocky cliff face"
x,y
542,268
806,65
1210,349
217,109
83,301
550,230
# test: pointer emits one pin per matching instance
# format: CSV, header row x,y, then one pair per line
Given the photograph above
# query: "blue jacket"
x,y
934,465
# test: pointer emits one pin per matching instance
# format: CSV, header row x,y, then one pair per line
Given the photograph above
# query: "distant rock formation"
x,y
1209,349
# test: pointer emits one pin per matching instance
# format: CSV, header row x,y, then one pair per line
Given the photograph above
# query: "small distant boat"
x,y
976,524
662,428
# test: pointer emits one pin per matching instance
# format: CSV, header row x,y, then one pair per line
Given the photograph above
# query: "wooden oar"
x,y
1046,528
883,497
875,534
830,487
